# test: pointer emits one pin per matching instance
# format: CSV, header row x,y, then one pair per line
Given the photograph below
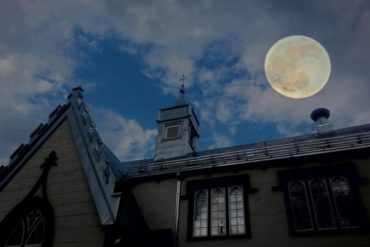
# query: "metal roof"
x,y
352,138
346,139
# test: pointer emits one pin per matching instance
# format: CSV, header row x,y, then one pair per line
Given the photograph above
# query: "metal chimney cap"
x,y
319,113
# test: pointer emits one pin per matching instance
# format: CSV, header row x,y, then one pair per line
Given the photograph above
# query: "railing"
x,y
256,153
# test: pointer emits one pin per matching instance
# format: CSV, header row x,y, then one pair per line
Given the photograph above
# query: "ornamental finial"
x,y
181,100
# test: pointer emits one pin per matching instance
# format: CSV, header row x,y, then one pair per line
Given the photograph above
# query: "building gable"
x,y
76,218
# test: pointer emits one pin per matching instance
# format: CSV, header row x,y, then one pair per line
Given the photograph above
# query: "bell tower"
x,y
178,129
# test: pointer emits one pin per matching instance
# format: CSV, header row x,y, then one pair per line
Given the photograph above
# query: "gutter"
x,y
177,207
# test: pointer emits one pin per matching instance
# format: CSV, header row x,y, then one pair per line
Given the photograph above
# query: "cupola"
x,y
178,129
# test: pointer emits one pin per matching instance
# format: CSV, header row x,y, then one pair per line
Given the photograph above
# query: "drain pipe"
x,y
177,209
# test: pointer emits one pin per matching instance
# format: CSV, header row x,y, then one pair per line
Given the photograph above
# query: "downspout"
x,y
177,209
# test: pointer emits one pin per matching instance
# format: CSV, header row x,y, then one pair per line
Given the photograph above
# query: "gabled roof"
x,y
21,155
103,169
97,161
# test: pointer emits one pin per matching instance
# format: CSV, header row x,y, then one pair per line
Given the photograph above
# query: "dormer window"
x,y
173,131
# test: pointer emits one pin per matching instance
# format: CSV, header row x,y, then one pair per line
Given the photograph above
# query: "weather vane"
x,y
182,80
181,100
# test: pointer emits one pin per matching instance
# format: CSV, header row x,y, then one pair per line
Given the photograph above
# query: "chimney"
x,y
320,116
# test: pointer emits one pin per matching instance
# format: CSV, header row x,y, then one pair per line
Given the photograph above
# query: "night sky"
x,y
129,55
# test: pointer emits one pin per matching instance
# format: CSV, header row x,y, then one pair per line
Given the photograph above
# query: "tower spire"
x,y
181,100
178,129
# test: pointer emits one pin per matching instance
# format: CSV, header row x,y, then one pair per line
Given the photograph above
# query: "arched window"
x,y
218,208
29,231
236,210
344,202
322,207
323,200
30,224
300,210
200,221
218,215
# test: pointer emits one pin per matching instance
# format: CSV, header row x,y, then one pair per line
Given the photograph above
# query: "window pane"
x,y
30,230
322,207
33,218
196,232
236,210
37,235
300,210
17,235
173,131
344,202
200,220
218,222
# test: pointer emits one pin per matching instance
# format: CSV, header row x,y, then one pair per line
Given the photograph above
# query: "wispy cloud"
x,y
126,137
220,141
39,55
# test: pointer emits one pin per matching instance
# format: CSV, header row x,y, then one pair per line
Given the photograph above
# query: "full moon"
x,y
297,67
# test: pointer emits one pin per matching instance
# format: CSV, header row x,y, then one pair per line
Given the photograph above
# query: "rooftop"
x,y
353,138
335,141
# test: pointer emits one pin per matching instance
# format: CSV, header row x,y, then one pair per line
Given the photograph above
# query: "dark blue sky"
x,y
129,56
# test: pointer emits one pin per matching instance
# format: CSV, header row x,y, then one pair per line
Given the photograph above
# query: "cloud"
x,y
39,55
255,102
219,141
25,97
127,138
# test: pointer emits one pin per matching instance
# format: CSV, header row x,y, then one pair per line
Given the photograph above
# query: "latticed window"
x,y
299,205
31,222
218,214
344,202
200,213
219,209
320,200
29,231
236,210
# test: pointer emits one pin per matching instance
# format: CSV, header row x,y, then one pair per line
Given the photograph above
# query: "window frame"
x,y
18,216
325,172
27,233
212,183
172,125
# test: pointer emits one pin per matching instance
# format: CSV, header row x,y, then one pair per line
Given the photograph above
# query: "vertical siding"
x,y
76,219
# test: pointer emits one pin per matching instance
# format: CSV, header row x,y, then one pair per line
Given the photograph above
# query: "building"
x,y
66,188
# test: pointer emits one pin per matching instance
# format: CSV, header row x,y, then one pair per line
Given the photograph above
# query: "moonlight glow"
x,y
297,67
